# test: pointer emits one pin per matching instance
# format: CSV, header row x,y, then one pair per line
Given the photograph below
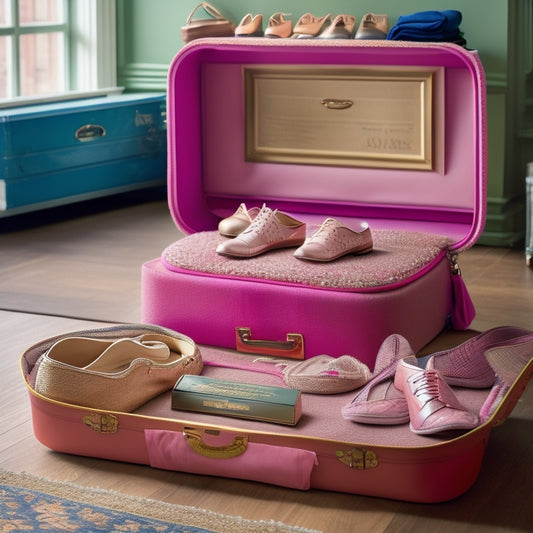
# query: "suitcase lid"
x,y
241,115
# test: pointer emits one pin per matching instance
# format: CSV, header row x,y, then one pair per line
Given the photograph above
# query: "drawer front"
x,y
59,138
83,183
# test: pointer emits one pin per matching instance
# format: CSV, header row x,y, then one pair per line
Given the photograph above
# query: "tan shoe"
x,y
270,230
373,27
310,26
333,240
250,26
238,222
278,27
216,25
342,27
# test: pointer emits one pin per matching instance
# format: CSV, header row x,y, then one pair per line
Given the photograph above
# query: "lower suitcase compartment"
x,y
323,451
405,286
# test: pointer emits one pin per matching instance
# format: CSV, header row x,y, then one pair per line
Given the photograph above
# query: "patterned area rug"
x,y
28,503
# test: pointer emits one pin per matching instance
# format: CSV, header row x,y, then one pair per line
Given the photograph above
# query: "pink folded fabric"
x,y
277,465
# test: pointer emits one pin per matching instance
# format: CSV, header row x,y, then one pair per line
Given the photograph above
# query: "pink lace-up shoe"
x,y
379,401
268,231
238,222
333,240
433,406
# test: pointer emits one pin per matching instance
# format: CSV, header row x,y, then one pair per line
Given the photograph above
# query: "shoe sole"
x,y
352,251
276,246
443,429
378,421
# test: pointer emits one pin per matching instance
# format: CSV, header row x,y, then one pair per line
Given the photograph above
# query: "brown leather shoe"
x,y
373,27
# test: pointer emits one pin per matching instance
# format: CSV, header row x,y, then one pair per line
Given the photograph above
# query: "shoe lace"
x,y
264,224
328,233
327,230
427,386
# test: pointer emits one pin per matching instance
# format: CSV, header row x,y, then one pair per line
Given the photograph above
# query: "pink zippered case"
x,y
423,198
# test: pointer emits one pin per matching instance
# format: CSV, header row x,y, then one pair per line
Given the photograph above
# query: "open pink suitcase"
x,y
323,451
421,218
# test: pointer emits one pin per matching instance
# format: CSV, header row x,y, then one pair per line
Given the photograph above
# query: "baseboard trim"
x,y
505,223
143,76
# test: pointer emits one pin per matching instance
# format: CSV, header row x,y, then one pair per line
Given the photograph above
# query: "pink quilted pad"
x,y
397,256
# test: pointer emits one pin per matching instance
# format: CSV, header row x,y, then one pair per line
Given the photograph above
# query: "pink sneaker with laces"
x,y
433,406
268,231
333,240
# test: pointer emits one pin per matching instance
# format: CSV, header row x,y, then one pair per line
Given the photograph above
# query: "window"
x,y
33,47
53,49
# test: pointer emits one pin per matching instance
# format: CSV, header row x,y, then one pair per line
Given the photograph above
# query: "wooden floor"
x,y
70,268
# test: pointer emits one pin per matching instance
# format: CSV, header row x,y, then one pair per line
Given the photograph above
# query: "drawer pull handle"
x,y
293,347
234,449
333,103
89,132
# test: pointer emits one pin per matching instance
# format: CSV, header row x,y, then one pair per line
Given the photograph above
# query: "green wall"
x,y
149,30
149,35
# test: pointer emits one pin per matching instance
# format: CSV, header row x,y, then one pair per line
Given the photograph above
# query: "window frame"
x,y
90,58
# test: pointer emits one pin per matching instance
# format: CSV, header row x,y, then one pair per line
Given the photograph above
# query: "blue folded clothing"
x,y
427,26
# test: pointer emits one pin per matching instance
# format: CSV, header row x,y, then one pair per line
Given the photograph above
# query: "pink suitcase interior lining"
x,y
398,256
321,416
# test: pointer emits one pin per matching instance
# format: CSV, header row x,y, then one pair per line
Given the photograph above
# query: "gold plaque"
x,y
348,116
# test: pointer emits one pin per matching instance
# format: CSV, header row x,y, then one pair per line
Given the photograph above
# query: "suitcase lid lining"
x,y
194,197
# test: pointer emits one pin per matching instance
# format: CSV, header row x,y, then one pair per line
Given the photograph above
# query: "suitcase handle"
x,y
335,103
267,463
234,449
293,347
89,132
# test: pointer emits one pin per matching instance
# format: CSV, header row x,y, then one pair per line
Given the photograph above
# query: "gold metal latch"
x,y
358,458
102,422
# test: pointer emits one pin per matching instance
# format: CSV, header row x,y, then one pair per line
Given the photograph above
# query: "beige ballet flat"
x,y
310,26
278,27
250,26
